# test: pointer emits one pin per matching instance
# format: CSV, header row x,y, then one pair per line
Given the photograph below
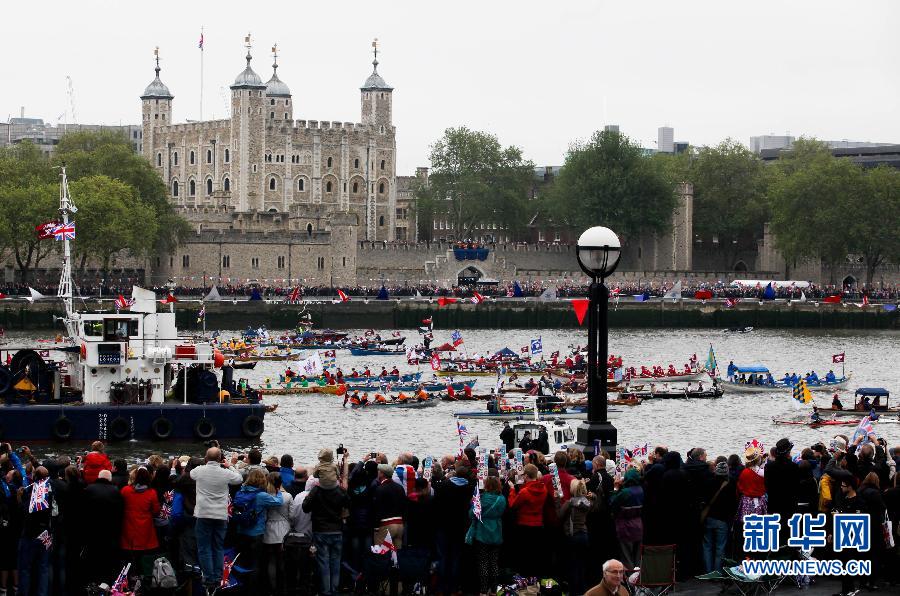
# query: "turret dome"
x,y
247,78
156,89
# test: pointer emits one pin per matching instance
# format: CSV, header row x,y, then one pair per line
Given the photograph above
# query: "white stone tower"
x,y
375,96
248,115
278,94
156,110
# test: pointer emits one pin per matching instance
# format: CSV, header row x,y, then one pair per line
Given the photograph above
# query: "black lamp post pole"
x,y
597,426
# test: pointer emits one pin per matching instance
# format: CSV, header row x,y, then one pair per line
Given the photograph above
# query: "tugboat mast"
x,y
66,207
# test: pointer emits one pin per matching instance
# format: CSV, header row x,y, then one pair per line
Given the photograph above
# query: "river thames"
x,y
303,424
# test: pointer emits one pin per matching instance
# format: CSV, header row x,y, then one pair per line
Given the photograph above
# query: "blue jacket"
x,y
490,529
263,502
287,477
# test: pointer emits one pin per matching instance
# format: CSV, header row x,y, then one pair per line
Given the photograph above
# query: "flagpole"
x,y
201,73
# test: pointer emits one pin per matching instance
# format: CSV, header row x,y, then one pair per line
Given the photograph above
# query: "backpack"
x,y
243,509
163,575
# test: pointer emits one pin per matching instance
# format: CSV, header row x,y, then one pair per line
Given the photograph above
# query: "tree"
x,y
21,209
607,180
811,203
110,218
729,192
110,154
474,181
875,221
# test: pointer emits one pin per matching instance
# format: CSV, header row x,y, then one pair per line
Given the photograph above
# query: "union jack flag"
x,y
65,231
731,302
461,430
476,503
121,584
476,298
46,539
227,580
456,336
122,302
40,496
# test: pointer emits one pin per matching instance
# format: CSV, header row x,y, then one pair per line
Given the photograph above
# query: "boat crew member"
x,y
367,373
770,380
384,372
339,376
508,437
830,378
864,404
467,390
787,379
422,395
364,400
836,403
671,371
794,378
380,399
525,444
402,397
395,371
451,393
813,378
288,374
815,418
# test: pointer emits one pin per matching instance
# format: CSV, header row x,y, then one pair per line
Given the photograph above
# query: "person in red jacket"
x,y
141,506
527,506
94,462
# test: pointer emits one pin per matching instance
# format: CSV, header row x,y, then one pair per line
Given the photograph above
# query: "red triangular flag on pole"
x,y
580,307
443,301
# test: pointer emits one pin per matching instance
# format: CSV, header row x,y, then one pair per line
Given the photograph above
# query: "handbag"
x,y
887,530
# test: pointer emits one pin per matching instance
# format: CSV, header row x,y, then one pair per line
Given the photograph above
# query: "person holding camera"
x,y
325,504
211,513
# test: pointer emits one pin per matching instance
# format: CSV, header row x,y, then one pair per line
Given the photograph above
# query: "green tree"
x,y
21,209
474,180
609,181
811,203
110,218
110,154
875,221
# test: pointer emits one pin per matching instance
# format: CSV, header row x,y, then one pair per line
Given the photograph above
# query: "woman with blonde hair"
x,y
573,516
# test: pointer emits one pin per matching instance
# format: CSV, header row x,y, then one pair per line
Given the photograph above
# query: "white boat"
x,y
753,373
560,435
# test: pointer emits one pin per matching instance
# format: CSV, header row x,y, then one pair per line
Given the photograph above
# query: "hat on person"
x,y
752,455
783,447
721,469
838,445
610,466
386,469
326,455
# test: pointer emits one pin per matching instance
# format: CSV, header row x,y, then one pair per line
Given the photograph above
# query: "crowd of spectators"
x,y
421,525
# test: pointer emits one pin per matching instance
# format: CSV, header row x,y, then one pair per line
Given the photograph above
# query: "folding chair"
x,y
657,571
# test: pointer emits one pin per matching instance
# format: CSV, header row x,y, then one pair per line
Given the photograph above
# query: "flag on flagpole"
x,y
344,297
711,363
675,292
537,346
838,358
121,584
202,314
435,362
65,231
444,301
731,302
169,299
200,45
476,298
802,393
456,336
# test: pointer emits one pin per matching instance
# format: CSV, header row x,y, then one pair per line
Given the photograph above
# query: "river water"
x,y
303,424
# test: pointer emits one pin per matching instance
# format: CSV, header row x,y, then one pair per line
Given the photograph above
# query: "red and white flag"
x,y
838,358
435,362
386,546
524,349
295,295
344,297
122,303
476,298
731,302
45,230
168,299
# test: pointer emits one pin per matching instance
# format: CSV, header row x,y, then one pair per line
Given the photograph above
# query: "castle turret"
x,y
278,94
248,135
156,108
376,97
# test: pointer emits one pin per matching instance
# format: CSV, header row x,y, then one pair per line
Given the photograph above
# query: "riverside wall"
x,y
503,314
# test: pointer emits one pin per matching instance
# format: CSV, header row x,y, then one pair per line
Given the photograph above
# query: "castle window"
x,y
382,129
328,187
226,261
280,261
382,164
309,229
329,162
208,156
320,263
343,261
381,221
254,262
285,116
192,188
271,184
355,187
254,168
185,261
175,188
300,184
345,187
271,115
226,184
381,187
159,159
191,160
271,102
227,155
356,163
171,262
175,158
208,186
287,102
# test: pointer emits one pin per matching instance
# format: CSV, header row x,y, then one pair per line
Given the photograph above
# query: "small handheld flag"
x,y
802,393
537,346
476,503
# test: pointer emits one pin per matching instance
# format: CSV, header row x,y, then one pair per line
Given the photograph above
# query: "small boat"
x,y
560,435
738,329
244,365
757,381
409,404
666,391
355,351
818,424
878,400
409,377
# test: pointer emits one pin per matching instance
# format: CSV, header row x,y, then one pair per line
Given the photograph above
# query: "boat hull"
x,y
567,413
35,422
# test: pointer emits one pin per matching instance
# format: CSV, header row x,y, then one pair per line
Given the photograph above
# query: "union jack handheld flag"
x,y
121,584
476,503
40,496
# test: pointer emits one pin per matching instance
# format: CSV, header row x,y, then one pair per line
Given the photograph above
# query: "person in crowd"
x,y
751,489
527,505
486,534
120,473
326,504
251,506
211,513
782,481
36,502
95,461
102,500
717,515
613,576
278,524
141,505
627,504
388,504
573,513
452,497
508,436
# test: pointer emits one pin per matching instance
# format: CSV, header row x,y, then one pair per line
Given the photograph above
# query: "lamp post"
x,y
598,251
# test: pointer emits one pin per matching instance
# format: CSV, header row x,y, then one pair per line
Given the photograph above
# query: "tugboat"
x,y
122,376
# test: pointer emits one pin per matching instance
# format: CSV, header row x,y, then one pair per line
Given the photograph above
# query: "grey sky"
x,y
537,74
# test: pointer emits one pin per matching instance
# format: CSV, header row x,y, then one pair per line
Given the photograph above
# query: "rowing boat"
x,y
812,424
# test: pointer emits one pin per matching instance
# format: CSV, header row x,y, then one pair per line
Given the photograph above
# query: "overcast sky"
x,y
537,74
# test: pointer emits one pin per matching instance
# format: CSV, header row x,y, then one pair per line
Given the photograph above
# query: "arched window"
x,y
285,116
192,188
159,159
175,158
329,162
271,102
381,221
328,187
300,184
226,184
208,186
175,188
271,115
309,229
381,187
191,160
208,156
356,163
355,187
227,155
271,183
382,164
